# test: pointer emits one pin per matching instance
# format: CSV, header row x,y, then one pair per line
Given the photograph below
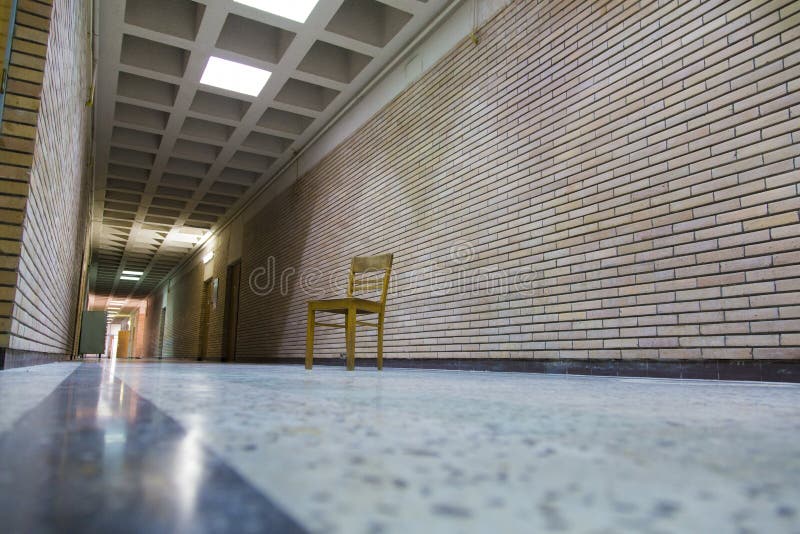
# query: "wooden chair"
x,y
351,307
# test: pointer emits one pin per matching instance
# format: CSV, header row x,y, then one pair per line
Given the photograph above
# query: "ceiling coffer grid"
x,y
174,155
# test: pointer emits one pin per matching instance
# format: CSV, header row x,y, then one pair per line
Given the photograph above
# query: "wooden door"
x,y
162,321
123,343
231,311
205,315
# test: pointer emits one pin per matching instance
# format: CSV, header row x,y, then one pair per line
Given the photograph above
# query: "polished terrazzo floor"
x,y
27,386
434,451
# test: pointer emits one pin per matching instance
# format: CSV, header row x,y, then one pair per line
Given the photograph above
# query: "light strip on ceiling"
x,y
233,76
296,10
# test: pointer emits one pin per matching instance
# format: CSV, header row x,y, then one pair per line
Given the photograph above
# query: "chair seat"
x,y
341,305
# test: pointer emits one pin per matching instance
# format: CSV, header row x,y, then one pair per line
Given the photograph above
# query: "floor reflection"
x,y
95,457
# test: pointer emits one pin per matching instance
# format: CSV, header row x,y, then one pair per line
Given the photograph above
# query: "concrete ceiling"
x,y
174,157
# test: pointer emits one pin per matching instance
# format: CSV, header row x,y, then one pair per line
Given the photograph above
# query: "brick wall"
x,y
183,298
44,178
182,329
592,180
151,327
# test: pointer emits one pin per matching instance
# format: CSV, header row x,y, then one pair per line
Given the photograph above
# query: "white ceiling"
x,y
174,155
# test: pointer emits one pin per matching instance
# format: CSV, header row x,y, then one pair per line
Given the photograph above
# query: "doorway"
x,y
232,281
123,344
162,320
205,317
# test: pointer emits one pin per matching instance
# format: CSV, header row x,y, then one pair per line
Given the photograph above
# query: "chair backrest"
x,y
369,264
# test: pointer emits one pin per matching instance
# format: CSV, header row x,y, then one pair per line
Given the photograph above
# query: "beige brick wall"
x,y
44,177
218,268
182,297
182,329
151,327
592,180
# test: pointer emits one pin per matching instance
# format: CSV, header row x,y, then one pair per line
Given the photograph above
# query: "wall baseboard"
x,y
754,370
10,358
757,370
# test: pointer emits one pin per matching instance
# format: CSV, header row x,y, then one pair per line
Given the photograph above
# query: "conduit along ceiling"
x,y
200,103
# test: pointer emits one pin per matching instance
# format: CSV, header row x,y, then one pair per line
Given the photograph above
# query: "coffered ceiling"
x,y
174,156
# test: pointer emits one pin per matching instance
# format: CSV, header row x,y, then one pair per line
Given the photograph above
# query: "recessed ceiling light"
x,y
297,10
129,277
234,76
183,238
134,273
187,235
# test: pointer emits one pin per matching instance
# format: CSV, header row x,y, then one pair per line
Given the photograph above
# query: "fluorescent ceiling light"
x,y
129,277
135,273
234,76
187,235
183,238
208,257
297,10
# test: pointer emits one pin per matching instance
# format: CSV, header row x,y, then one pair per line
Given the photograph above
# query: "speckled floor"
x,y
95,457
455,451
23,388
449,451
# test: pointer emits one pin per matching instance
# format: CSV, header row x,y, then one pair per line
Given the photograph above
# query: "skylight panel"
x,y
297,10
234,76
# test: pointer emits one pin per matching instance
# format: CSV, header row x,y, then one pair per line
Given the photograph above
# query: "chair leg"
x,y
380,341
310,338
350,338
